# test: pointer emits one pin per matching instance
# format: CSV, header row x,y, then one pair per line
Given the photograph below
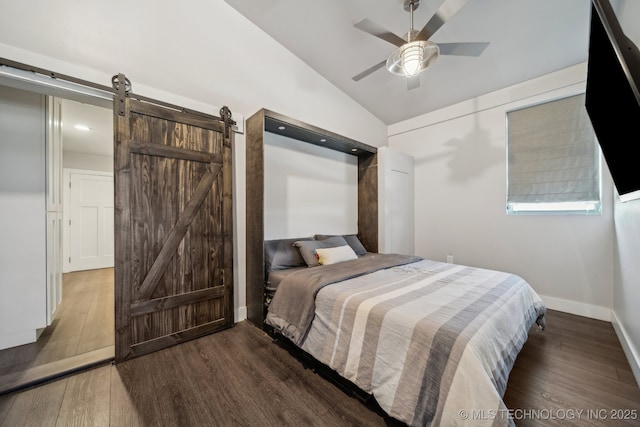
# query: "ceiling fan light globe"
x,y
412,58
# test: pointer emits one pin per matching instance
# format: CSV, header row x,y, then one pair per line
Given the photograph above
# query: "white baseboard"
x,y
241,314
577,308
600,313
633,356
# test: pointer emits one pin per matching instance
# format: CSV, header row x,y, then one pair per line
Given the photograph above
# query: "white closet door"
x,y
396,195
91,221
401,212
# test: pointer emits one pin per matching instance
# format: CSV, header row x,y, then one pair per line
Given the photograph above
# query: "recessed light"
x,y
82,127
354,149
281,127
323,140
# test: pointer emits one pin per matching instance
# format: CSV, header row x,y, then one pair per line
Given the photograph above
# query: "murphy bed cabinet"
x,y
269,121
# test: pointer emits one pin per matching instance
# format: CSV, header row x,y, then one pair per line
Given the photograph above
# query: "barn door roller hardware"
x,y
124,90
225,116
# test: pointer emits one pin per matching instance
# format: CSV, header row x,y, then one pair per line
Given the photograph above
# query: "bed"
x,y
432,342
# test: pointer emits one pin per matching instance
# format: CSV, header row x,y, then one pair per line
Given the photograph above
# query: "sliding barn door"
x,y
173,227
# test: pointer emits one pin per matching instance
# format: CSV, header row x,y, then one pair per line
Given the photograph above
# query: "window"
x,y
553,159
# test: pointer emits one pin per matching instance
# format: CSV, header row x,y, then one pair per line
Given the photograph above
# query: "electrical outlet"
x,y
450,259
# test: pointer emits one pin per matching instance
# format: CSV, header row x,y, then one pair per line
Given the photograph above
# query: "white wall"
x,y
200,54
460,169
626,288
73,160
23,276
626,285
308,189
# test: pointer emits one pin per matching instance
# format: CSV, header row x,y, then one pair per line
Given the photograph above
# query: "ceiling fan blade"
x,y
413,82
463,49
376,30
442,15
370,70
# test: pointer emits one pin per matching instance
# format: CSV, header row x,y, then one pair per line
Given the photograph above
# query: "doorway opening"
x,y
70,308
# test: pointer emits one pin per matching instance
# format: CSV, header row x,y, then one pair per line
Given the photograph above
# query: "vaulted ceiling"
x,y
527,39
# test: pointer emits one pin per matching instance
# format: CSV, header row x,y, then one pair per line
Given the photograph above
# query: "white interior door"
x,y
90,220
401,213
396,200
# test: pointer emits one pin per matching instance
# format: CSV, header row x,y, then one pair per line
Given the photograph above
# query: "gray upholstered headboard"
x,y
280,254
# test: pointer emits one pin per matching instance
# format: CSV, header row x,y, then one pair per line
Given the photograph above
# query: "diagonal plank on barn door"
x,y
174,235
177,233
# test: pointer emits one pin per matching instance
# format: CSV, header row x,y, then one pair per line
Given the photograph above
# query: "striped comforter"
x,y
428,340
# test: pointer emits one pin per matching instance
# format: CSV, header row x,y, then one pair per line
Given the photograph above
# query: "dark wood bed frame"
x,y
268,121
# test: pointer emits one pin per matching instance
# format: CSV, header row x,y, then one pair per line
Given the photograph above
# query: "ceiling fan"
x,y
414,51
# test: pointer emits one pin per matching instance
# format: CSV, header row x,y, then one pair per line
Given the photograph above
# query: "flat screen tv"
x,y
612,97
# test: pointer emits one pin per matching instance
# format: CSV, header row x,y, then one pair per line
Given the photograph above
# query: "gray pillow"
x,y
352,240
280,254
308,248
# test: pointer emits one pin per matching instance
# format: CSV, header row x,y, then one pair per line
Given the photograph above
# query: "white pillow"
x,y
327,256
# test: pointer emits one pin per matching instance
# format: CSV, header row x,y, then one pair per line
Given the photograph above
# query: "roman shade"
x,y
552,154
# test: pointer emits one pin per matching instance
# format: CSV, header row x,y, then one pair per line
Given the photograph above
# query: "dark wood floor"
x,y
575,364
240,377
82,331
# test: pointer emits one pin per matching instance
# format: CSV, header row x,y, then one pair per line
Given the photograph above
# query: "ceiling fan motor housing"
x,y
408,3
